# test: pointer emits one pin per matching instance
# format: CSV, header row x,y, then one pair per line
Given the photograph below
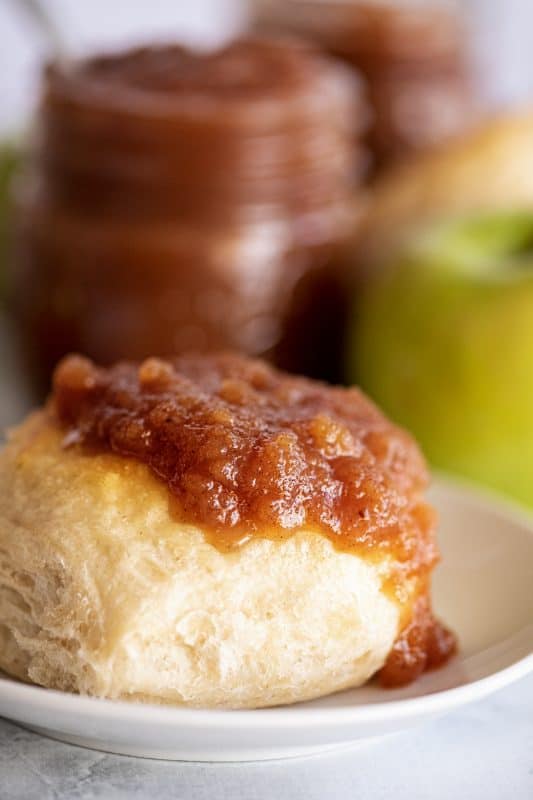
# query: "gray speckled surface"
x,y
483,752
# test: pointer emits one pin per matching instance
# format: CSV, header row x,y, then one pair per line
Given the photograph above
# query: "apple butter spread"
x,y
177,200
246,450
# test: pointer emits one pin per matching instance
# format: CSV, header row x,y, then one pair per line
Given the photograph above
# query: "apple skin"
x,y
442,339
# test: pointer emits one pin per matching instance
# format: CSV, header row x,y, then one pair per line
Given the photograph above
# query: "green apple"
x,y
442,339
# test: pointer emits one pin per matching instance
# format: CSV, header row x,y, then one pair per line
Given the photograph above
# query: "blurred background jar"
x,y
178,201
413,54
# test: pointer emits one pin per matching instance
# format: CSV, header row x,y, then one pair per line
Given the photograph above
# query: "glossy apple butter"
x,y
248,451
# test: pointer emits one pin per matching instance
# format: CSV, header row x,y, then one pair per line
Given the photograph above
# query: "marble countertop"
x,y
483,752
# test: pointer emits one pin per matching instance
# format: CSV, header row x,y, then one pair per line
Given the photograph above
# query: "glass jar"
x,y
413,54
177,201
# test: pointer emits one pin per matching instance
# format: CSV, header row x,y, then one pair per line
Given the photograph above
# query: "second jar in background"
x,y
413,54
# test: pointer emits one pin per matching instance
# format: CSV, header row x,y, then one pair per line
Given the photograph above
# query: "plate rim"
x,y
286,716
292,716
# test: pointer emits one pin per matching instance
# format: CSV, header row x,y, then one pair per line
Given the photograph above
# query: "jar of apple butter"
x,y
177,201
413,54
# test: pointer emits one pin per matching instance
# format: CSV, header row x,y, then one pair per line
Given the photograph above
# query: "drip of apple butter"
x,y
424,643
246,450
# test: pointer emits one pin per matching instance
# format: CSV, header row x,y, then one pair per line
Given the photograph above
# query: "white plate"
x,y
484,591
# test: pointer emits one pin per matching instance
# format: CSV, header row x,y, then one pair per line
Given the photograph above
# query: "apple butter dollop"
x,y
246,451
